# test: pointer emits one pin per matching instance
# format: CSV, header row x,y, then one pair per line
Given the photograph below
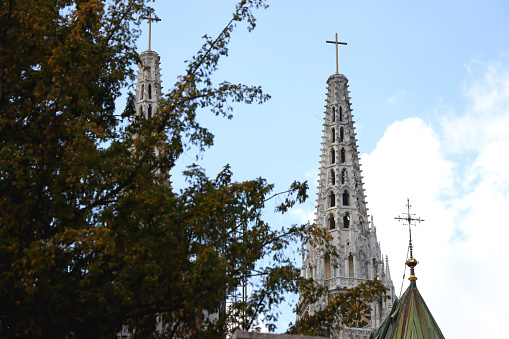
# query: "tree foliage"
x,y
92,234
337,310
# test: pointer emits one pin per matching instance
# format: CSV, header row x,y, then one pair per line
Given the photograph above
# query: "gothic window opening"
x,y
333,177
327,268
333,114
332,199
346,221
343,155
142,90
350,266
149,115
343,176
341,134
340,114
333,156
149,91
346,198
332,223
333,135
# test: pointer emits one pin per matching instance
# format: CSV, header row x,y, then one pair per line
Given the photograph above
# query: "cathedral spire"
x,y
148,82
342,211
148,85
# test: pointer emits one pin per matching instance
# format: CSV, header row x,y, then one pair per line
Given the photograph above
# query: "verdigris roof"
x,y
410,318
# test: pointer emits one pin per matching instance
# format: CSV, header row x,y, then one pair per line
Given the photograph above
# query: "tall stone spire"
x,y
341,209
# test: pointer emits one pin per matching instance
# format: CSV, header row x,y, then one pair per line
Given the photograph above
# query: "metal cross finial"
x,y
150,19
336,42
409,219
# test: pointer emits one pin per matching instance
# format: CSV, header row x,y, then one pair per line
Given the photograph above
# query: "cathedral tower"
x,y
341,209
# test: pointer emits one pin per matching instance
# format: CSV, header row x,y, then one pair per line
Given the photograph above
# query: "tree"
x,y
92,234
336,310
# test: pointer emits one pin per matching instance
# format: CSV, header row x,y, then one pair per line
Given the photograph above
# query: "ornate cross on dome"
x,y
150,19
409,219
336,42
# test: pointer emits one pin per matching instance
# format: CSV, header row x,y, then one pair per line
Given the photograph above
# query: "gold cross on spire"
x,y
336,43
150,19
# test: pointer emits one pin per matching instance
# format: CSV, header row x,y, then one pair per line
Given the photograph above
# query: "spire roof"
x,y
409,318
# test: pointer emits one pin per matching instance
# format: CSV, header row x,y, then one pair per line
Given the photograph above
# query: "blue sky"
x,y
429,86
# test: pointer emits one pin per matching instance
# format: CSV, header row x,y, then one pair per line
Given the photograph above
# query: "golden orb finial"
x,y
412,263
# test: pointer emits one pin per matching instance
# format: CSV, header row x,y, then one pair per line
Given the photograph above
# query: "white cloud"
x,y
396,96
311,175
303,215
457,179
486,118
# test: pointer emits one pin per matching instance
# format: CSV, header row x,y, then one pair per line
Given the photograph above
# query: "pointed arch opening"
x,y
332,222
350,266
149,113
343,176
333,118
340,114
341,134
333,177
346,220
150,91
327,268
346,198
333,134
332,199
142,90
332,156
343,155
